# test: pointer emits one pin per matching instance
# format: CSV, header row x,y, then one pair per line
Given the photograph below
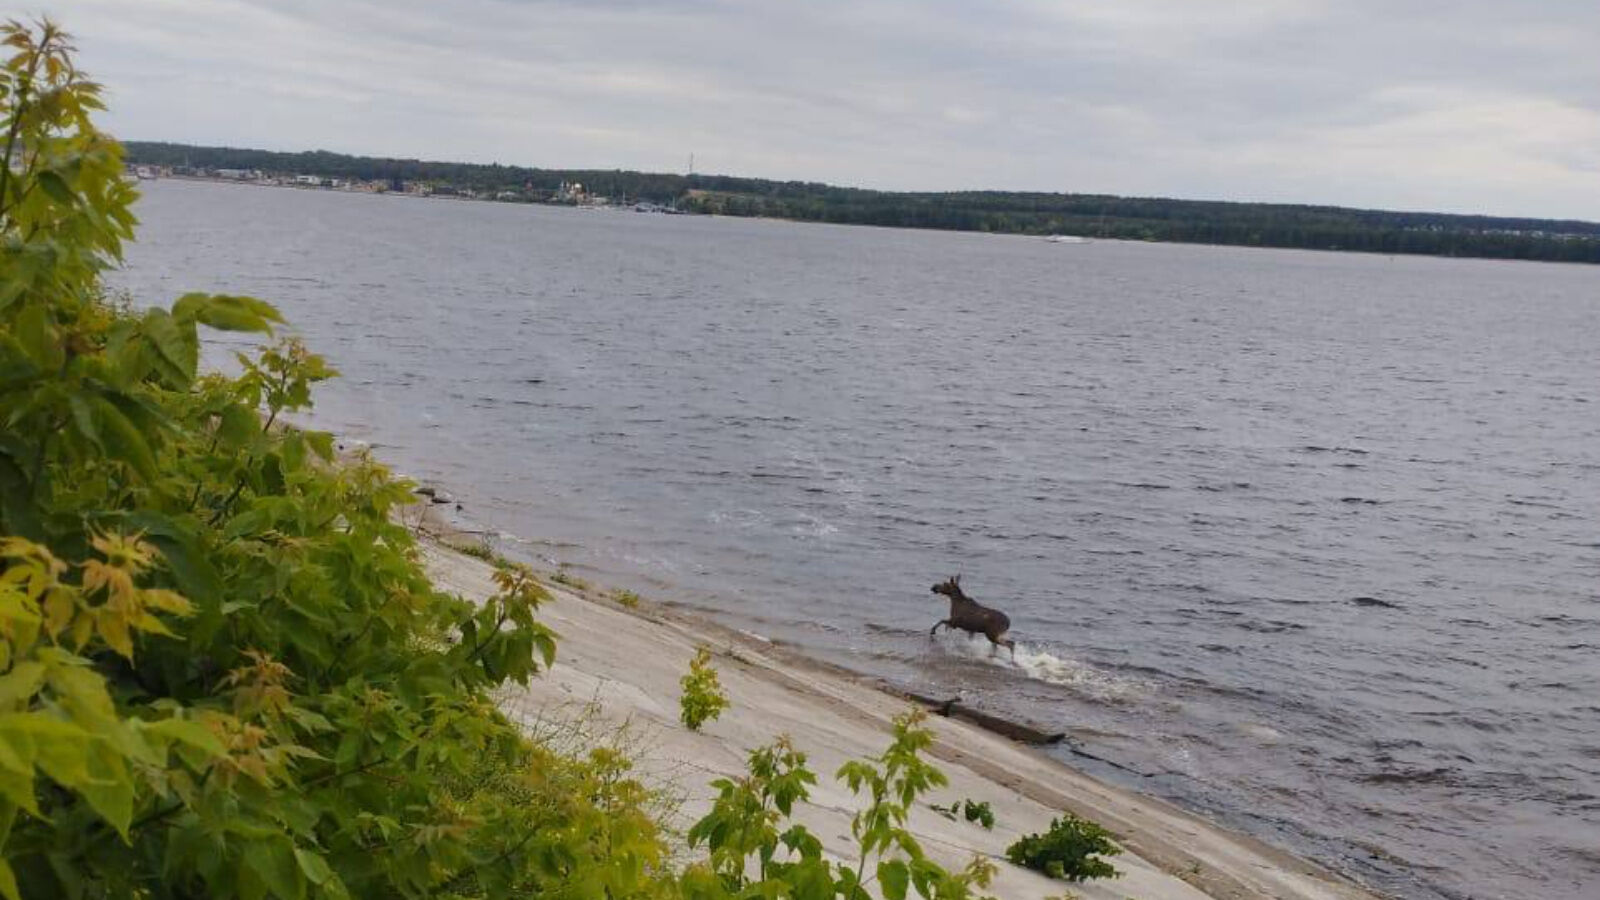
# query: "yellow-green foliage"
x,y
745,826
702,699
222,670
626,598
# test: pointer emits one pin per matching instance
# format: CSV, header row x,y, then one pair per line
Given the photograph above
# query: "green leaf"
x,y
122,439
80,689
109,789
895,876
17,788
192,568
10,290
177,345
249,884
21,683
849,888
321,443
16,754
8,882
925,875
250,521
278,867
83,418
192,734
8,818
238,425
37,337
226,313
18,516
349,750
313,865
309,721
546,646
813,880
16,366
57,189
61,747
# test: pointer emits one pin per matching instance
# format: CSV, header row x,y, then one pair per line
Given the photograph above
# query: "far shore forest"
x,y
1006,212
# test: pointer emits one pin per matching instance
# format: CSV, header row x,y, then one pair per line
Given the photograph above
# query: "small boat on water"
x,y
1067,239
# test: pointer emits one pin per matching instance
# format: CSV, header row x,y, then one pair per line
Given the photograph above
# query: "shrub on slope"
x,y
222,671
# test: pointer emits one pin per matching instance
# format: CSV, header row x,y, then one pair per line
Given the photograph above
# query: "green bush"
x,y
753,855
1069,850
223,672
968,809
702,699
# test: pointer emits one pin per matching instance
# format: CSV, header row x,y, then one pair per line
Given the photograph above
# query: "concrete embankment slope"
x,y
622,667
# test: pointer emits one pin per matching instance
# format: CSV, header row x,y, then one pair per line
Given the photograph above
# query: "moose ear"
x,y
956,580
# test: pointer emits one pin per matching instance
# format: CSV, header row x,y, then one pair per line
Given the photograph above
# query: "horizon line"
x,y
893,192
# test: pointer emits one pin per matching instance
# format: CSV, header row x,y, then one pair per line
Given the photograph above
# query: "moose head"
x,y
951,588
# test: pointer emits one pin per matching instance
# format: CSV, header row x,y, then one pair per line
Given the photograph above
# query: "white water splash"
x,y
813,527
1042,665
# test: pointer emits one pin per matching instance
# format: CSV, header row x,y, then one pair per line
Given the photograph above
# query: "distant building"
x,y
570,192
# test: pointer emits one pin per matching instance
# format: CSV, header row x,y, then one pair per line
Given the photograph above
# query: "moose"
x,y
973,617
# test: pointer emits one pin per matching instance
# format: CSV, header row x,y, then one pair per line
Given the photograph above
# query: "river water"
x,y
1306,541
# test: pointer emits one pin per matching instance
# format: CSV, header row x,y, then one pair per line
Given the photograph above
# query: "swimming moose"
x,y
973,617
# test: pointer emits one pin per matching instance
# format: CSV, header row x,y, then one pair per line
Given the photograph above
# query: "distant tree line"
x,y
1088,215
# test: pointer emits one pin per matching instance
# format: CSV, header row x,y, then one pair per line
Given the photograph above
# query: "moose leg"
x,y
996,641
936,626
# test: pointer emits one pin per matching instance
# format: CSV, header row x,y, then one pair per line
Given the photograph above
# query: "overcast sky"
x,y
1455,105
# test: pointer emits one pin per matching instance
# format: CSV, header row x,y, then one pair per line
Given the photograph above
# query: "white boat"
x,y
1067,239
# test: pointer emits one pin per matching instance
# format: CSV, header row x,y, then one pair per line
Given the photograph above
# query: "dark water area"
x,y
1308,542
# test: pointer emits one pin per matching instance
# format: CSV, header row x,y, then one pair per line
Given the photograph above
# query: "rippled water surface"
x,y
1306,541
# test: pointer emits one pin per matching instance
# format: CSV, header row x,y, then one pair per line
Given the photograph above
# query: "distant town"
x,y
567,193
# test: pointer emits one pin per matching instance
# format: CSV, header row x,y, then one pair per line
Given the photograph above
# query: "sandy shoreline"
x,y
621,667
